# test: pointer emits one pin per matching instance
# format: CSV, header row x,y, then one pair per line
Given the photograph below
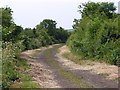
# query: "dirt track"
x,y
51,70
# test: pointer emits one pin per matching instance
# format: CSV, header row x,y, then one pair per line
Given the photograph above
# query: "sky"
x,y
29,13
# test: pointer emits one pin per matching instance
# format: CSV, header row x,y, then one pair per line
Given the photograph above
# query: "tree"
x,y
75,23
8,25
16,33
57,35
61,35
92,9
50,25
7,19
97,33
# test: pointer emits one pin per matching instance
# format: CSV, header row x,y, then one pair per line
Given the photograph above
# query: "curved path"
x,y
65,75
69,78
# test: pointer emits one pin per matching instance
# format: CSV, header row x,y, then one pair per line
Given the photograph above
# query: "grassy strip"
x,y
77,59
25,80
35,53
80,61
64,73
74,79
29,84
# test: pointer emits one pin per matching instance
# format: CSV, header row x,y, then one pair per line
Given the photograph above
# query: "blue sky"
x,y
29,13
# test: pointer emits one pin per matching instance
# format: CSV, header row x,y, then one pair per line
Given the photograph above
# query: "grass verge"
x,y
26,84
68,75
77,59
25,80
74,79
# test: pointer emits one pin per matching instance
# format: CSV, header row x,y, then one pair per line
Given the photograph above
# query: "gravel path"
x,y
51,70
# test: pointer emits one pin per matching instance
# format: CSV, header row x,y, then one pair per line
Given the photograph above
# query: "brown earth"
x,y
111,71
51,70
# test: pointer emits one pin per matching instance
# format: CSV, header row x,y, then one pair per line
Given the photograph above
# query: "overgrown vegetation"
x,y
97,33
15,39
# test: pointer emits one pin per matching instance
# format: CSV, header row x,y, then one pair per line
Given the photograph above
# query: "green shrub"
x,y
96,35
9,62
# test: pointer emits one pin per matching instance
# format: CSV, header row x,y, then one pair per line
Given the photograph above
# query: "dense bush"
x,y
9,61
15,39
97,34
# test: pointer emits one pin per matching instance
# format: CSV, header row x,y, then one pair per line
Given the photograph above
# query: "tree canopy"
x,y
97,33
17,39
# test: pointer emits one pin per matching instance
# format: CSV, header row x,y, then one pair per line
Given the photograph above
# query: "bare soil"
x,y
51,70
38,71
110,71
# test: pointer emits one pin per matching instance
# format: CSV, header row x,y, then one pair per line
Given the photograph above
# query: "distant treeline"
x,y
43,34
97,33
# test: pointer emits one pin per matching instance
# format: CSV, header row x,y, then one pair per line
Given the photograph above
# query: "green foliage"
x,y
92,9
43,34
56,35
7,17
6,32
16,39
26,81
96,36
50,25
29,84
9,73
61,35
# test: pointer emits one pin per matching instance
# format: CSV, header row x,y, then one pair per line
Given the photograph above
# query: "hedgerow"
x,y
97,34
